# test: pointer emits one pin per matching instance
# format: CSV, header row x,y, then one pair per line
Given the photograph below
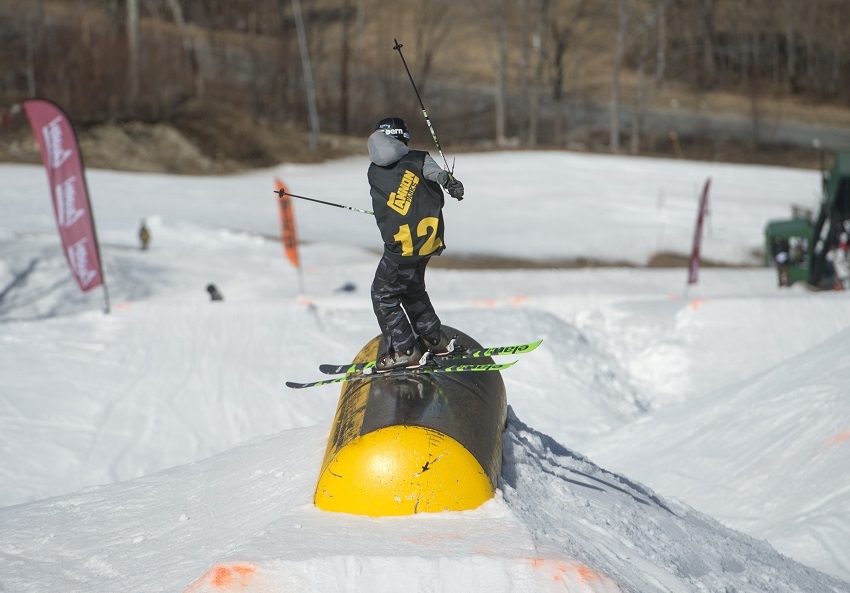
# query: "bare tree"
x,y
562,31
133,55
647,86
501,80
345,61
497,13
632,26
34,16
188,47
434,20
706,41
539,62
625,15
525,53
309,85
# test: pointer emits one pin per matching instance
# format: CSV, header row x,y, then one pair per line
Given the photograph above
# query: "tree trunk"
x,y
33,19
345,59
133,56
501,82
624,15
559,52
640,100
309,85
537,83
525,57
188,47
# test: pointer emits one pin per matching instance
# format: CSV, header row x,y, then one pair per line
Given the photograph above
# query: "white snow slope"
x,y
661,439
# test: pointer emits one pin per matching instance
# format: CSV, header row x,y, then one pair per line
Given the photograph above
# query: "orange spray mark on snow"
x,y
223,578
519,300
492,303
697,303
841,437
486,303
563,574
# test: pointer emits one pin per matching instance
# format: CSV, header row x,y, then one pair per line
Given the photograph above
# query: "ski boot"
x,y
392,359
438,343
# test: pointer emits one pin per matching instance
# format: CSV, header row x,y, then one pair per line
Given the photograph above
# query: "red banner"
x,y
61,156
693,268
287,225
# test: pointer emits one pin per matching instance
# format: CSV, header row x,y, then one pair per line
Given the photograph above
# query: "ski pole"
x,y
398,47
282,193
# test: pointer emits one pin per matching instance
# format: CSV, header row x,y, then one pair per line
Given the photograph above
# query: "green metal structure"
x,y
802,244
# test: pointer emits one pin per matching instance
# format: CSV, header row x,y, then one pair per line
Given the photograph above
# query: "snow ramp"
x,y
413,444
243,521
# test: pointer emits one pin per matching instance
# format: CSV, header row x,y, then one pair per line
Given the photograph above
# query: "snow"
x,y
663,437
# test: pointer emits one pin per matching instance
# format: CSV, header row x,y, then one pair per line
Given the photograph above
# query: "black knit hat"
x,y
395,127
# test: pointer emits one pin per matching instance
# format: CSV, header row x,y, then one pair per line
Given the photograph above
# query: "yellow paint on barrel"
x,y
401,445
402,470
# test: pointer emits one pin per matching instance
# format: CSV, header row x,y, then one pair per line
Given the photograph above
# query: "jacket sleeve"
x,y
433,172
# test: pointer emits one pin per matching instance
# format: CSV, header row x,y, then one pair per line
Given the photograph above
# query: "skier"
x,y
408,204
215,295
780,256
144,235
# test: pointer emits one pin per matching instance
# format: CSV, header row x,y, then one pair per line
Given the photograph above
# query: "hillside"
x,y
222,89
201,142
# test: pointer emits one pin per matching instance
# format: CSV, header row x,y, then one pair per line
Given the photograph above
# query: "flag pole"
x,y
107,308
694,262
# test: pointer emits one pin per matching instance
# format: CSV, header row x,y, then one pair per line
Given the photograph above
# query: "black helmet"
x,y
395,127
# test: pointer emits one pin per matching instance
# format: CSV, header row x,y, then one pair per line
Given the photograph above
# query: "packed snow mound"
x,y
623,530
244,520
790,407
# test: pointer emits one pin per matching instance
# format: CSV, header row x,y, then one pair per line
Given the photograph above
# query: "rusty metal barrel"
x,y
405,444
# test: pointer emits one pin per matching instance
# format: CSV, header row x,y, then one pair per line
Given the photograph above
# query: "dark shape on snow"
x,y
215,295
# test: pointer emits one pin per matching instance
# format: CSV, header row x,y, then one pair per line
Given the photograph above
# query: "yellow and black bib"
x,y
408,209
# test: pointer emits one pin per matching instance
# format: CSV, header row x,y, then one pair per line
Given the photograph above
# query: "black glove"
x,y
455,188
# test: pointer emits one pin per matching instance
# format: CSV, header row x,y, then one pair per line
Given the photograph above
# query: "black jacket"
x,y
408,206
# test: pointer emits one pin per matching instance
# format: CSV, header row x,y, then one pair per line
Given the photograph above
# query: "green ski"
x,y
460,353
421,370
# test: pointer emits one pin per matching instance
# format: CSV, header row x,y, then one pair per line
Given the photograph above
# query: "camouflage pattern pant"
x,y
402,306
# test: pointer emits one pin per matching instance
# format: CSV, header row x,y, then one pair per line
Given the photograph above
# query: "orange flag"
x,y
287,225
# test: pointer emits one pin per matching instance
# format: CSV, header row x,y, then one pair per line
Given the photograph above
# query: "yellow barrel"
x,y
409,444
